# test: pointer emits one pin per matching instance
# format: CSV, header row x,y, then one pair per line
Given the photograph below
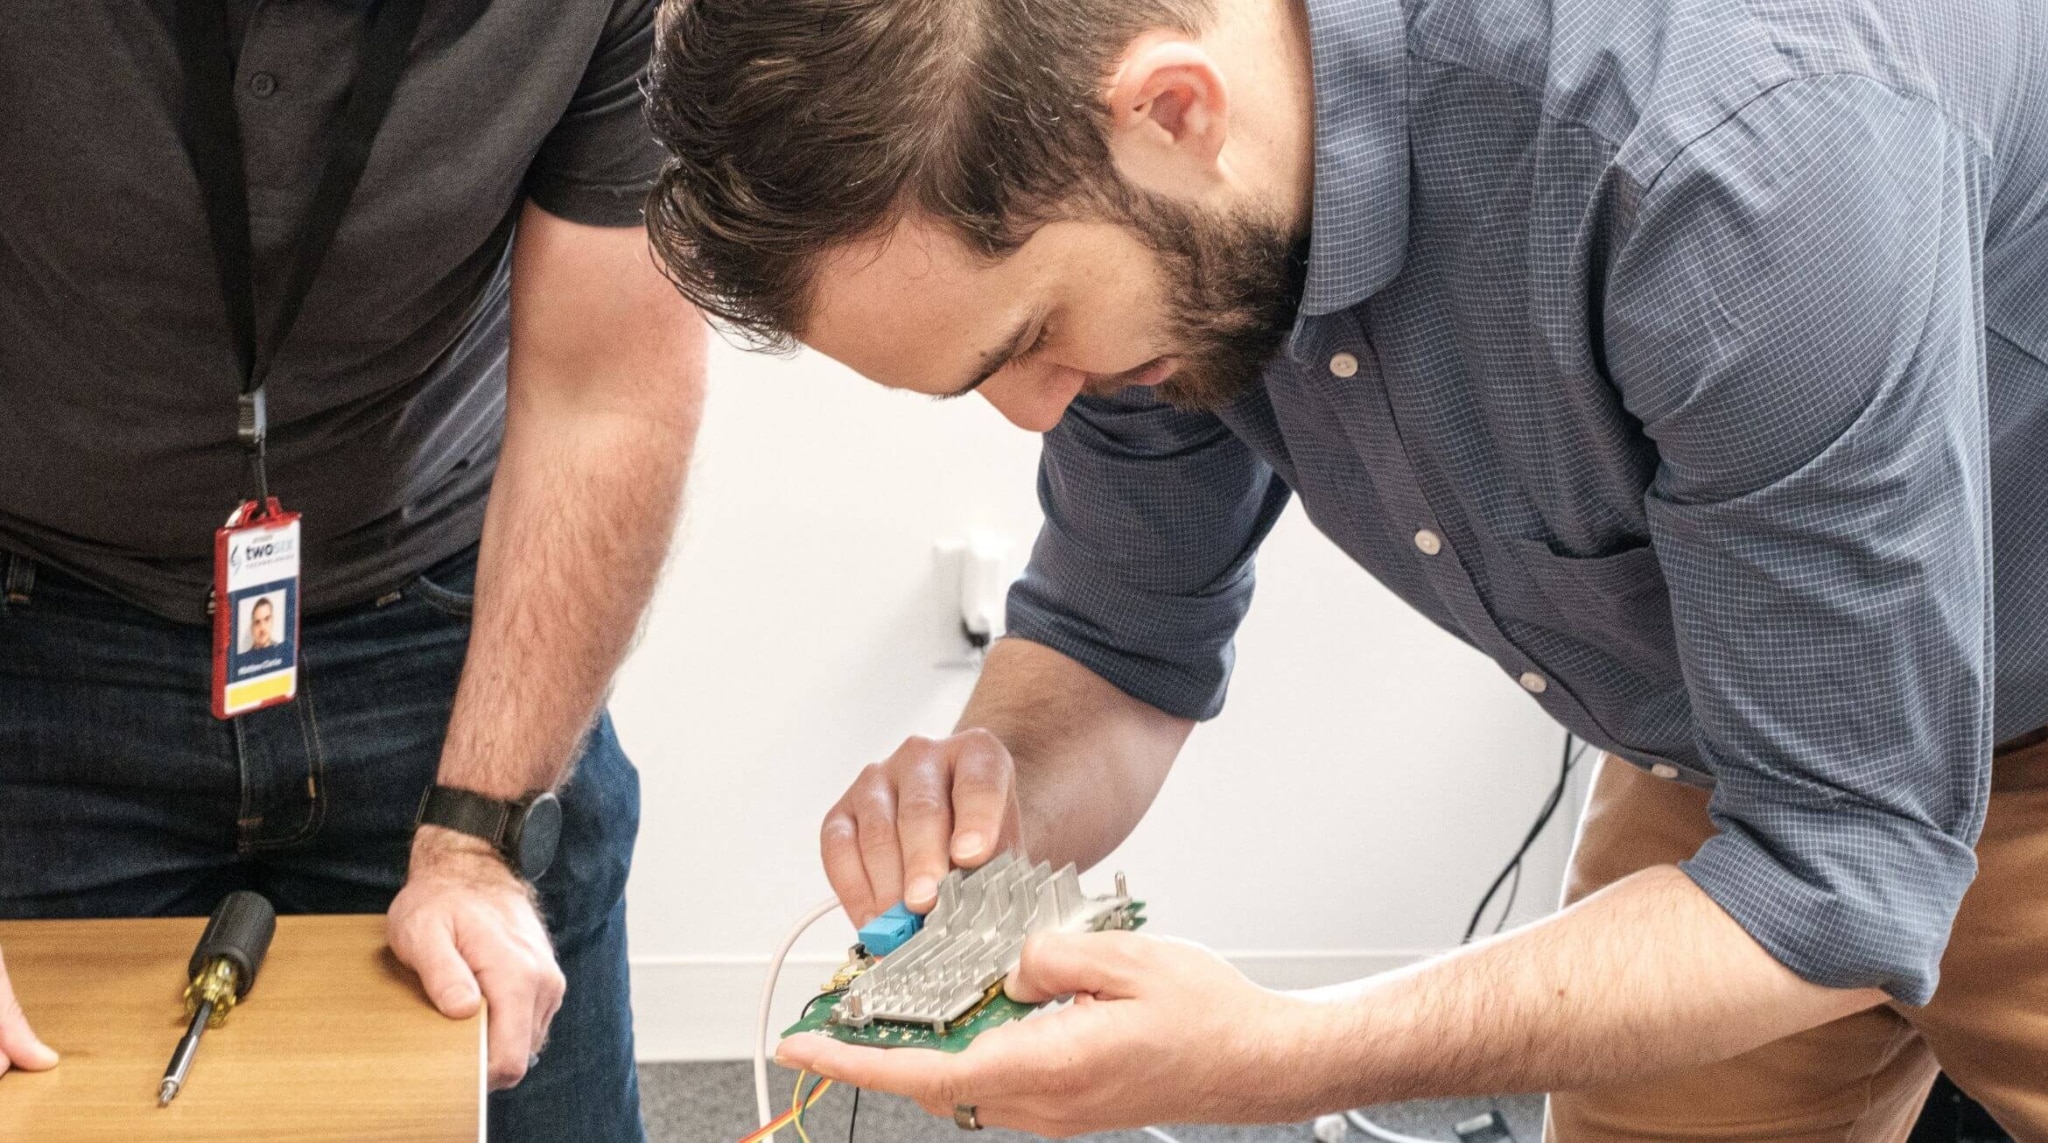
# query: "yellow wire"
x,y
796,1107
782,1121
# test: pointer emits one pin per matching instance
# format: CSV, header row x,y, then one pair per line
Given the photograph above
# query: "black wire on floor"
x,y
853,1118
1513,868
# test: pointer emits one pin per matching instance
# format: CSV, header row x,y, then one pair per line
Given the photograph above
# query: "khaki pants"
x,y
1864,1077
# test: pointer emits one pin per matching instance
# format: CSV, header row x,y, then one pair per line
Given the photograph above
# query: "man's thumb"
x,y
1072,964
18,1043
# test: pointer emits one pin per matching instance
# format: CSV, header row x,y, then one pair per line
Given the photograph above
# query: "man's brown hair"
x,y
795,126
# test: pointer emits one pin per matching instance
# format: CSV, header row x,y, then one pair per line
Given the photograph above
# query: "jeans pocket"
x,y
449,587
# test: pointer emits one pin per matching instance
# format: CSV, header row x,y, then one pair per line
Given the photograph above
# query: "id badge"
x,y
255,609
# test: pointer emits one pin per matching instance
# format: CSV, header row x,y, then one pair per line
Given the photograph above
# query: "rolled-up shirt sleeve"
x,y
1794,318
1144,566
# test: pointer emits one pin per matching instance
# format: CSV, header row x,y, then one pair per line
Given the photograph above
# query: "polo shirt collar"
x,y
1359,222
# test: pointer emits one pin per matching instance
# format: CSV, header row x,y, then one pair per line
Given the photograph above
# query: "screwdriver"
x,y
223,967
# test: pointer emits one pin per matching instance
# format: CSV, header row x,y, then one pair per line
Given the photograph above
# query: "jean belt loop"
x,y
21,578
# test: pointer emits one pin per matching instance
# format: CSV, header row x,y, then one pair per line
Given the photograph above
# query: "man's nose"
x,y
1035,403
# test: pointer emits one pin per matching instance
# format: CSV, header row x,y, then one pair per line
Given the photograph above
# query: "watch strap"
x,y
468,812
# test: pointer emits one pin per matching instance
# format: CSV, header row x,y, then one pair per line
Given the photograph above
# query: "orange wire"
x,y
783,1120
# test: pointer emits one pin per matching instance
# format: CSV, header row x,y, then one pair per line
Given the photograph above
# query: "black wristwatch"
x,y
524,832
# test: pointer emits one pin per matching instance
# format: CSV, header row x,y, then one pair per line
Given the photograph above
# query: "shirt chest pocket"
x,y
1615,603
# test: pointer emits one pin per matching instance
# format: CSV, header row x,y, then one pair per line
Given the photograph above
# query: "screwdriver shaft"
x,y
181,1060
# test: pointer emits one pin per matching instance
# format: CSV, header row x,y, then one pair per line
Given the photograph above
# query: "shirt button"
x,y
1428,542
1534,683
263,85
1664,770
1344,365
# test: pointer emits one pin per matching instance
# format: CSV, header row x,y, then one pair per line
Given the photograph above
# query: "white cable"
x,y
1162,1136
1378,1132
817,913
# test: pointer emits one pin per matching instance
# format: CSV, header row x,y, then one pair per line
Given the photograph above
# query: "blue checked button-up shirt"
x,y
1680,356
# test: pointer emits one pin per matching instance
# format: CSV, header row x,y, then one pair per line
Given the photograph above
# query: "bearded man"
x,y
1689,360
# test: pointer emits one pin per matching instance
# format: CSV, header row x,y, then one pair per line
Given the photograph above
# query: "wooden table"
x,y
335,1042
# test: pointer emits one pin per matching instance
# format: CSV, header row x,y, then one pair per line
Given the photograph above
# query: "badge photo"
x,y
256,610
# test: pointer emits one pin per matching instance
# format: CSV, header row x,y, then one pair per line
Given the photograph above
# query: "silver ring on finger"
x,y
964,1117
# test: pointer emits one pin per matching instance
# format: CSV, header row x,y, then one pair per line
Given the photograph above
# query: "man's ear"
x,y
1169,113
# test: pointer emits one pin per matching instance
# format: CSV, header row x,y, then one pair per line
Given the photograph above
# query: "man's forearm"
x,y
1645,976
574,539
604,395
1090,758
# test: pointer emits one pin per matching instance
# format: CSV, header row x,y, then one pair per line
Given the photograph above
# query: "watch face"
x,y
538,836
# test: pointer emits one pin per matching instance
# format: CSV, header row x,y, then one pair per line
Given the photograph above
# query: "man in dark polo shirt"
x,y
486,326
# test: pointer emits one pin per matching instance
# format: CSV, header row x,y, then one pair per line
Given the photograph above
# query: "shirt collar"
x,y
1359,226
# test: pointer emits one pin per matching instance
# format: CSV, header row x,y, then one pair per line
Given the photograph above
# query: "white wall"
x,y
1342,816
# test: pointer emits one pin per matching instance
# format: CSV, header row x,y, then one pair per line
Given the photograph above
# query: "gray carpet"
x,y
714,1103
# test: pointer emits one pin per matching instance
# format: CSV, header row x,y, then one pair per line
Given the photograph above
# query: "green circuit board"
x,y
998,1009
995,1010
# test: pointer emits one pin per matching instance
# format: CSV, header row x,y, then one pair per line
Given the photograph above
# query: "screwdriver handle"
x,y
239,930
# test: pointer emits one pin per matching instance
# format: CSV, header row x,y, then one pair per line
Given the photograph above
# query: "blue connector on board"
x,y
886,933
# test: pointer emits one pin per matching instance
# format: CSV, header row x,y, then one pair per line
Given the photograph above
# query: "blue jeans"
x,y
121,796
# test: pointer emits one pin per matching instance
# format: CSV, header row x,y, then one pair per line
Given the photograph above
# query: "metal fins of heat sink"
x,y
973,939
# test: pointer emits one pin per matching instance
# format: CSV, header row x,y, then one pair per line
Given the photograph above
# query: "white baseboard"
x,y
704,1008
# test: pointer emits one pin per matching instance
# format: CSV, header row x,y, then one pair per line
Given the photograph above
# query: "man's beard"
x,y
1233,285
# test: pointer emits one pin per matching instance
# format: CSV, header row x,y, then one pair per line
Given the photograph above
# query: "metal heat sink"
x,y
973,939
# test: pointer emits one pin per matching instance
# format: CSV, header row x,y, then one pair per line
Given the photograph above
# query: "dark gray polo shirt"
x,y
118,456
1690,360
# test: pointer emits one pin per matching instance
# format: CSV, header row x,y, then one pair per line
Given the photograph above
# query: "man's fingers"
x,y
983,798
905,823
872,802
924,821
521,983
839,843
444,975
510,993
1066,964
19,1046
547,1001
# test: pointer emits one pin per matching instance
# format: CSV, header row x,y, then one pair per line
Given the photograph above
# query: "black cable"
x,y
1550,809
1550,805
855,1117
1514,866
1507,910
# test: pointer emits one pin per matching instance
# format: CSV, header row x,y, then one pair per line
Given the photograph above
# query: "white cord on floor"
x,y
1378,1132
818,912
1162,1136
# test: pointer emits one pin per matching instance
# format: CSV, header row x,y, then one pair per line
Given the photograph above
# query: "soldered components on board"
x,y
941,982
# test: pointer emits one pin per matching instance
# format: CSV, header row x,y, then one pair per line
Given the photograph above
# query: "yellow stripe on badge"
x,y
243,696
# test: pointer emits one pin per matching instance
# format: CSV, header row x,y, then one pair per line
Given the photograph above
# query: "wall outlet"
x,y
975,573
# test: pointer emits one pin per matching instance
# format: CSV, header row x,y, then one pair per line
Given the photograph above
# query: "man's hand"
x,y
1160,1032
470,929
1048,758
907,821
19,1047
